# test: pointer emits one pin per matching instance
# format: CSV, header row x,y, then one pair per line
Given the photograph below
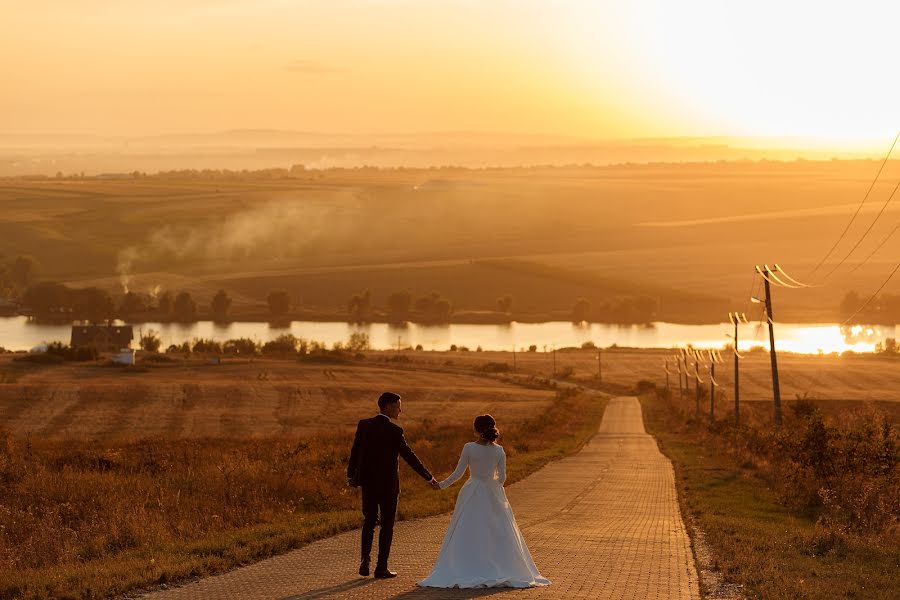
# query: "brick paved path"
x,y
603,524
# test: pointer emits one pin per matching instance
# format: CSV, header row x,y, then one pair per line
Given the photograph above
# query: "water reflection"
x,y
17,333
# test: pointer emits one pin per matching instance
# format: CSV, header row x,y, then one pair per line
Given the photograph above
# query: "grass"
x,y
91,520
774,551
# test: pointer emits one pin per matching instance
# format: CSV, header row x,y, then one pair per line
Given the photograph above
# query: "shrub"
x,y
285,343
241,346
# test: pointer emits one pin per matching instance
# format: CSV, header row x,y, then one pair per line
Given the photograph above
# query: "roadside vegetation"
x,y
88,519
808,511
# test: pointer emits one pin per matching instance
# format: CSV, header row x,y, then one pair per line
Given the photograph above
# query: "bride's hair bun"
x,y
486,426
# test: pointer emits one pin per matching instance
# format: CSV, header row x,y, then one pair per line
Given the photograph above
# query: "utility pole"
x,y
600,365
554,361
736,319
398,343
776,389
666,368
697,382
713,359
514,359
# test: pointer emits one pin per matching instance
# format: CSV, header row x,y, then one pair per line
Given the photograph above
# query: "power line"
x,y
858,208
872,297
878,216
877,248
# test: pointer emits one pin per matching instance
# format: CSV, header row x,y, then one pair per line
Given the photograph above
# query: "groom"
x,y
373,465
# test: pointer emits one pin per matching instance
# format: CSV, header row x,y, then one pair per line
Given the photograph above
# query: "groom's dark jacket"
x,y
376,448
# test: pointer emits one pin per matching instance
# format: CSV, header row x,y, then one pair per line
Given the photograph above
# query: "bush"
x,y
204,346
150,341
284,344
359,342
241,346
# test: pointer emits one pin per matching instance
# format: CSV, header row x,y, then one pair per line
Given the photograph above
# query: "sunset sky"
x,y
593,68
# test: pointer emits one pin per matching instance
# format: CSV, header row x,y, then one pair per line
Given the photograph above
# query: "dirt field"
x,y
240,399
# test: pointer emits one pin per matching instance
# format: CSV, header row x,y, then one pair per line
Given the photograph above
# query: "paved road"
x,y
602,524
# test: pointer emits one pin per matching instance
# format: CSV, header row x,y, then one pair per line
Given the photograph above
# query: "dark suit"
x,y
376,449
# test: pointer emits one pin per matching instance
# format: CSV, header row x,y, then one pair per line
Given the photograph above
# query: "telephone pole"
x,y
776,389
737,318
666,369
600,365
697,382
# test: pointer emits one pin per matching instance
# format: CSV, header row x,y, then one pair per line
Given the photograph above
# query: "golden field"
x,y
118,479
685,235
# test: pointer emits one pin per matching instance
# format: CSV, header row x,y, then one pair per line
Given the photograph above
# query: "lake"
x,y
18,333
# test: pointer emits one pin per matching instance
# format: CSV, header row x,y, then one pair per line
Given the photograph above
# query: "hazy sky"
x,y
593,68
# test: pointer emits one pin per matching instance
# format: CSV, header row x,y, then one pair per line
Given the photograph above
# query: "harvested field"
x,y
239,399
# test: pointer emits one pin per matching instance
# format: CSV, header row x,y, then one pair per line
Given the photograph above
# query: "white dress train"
x,y
483,546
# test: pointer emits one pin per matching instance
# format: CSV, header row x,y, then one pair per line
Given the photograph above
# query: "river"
x,y
19,333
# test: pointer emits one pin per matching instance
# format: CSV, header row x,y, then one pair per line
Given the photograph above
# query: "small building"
x,y
102,338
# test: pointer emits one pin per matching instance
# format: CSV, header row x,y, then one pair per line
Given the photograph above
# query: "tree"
x,y
184,307
23,270
241,346
220,305
581,311
164,304
359,307
398,305
285,343
150,341
504,304
279,303
359,341
132,303
47,297
432,307
93,303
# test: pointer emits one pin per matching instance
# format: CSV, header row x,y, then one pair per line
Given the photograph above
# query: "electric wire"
x,y
858,208
877,248
866,233
872,297
782,283
791,279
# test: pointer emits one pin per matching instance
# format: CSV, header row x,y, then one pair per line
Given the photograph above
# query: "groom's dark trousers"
x,y
374,460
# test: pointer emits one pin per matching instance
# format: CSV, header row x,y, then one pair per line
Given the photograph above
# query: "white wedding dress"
x,y
483,546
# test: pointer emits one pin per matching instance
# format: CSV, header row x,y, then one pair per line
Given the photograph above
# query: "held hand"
x,y
434,484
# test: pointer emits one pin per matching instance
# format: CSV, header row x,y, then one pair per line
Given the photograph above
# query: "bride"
x,y
483,546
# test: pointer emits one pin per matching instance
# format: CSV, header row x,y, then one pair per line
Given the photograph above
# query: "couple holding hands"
x,y
483,546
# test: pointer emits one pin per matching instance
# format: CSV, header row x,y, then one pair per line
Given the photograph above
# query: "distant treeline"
x,y
881,310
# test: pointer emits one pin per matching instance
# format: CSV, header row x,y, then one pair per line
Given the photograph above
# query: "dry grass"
x,y
836,379
243,399
83,518
810,512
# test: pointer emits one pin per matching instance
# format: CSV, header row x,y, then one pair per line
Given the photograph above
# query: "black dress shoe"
x,y
384,574
364,568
